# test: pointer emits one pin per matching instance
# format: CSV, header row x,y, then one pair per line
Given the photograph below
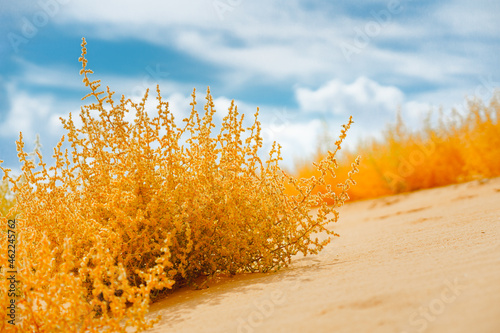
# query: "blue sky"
x,y
306,64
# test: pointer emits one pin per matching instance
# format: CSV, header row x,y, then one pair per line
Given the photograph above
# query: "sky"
x,y
308,65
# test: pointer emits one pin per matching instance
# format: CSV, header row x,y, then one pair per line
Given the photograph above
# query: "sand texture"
x,y
427,261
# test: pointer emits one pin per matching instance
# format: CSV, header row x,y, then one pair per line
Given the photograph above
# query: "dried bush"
x,y
128,210
460,147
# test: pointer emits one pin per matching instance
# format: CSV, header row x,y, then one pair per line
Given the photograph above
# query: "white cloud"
x,y
251,39
26,114
31,115
133,13
262,40
361,96
48,77
281,41
481,17
68,78
278,61
297,139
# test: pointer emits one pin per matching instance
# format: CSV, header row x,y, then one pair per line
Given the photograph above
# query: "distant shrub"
x,y
129,211
461,147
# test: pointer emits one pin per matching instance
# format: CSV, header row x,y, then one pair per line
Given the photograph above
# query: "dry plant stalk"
x,y
128,211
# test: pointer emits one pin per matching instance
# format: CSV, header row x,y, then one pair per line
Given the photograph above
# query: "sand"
x,y
427,261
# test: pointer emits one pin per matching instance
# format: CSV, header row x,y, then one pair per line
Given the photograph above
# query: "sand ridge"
x,y
427,261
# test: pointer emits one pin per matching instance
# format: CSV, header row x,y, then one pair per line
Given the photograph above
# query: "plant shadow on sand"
x,y
182,303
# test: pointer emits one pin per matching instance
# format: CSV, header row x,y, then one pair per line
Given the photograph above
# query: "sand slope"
x,y
427,261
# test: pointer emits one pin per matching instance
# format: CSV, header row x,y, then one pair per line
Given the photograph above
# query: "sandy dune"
x,y
427,261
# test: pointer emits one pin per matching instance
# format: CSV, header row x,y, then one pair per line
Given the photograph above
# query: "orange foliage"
x,y
460,148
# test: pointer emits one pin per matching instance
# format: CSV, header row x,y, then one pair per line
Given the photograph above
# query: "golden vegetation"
x,y
6,198
128,211
460,148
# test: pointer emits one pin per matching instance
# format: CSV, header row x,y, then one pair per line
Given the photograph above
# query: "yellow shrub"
x,y
481,138
129,211
459,148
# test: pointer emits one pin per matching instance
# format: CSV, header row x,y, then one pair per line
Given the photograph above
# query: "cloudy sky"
x,y
306,64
